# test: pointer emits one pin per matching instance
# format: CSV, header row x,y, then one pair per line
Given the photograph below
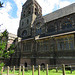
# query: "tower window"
x,y
67,24
24,15
24,33
27,21
36,11
22,23
24,11
29,11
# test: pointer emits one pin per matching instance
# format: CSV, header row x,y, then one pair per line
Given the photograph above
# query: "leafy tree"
x,y
1,4
4,52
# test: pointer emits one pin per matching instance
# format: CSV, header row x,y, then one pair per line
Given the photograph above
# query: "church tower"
x,y
30,10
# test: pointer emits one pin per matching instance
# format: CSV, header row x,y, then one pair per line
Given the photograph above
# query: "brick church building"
x,y
48,39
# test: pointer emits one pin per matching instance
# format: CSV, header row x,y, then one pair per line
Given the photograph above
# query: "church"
x,y
48,39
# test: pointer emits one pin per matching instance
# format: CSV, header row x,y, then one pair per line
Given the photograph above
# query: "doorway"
x,y
25,64
42,65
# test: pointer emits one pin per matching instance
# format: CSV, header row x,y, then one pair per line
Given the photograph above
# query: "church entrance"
x,y
25,64
42,65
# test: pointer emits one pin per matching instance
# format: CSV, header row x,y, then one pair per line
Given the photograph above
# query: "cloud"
x,y
47,5
64,4
9,23
19,6
4,14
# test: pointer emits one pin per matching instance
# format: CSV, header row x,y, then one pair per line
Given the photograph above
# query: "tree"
x,y
1,4
4,52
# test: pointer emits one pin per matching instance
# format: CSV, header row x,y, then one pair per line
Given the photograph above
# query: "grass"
x,y
50,72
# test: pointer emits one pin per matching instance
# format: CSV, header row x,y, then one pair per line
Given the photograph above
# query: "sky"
x,y
11,12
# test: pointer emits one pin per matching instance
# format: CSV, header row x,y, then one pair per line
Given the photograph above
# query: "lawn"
x,y
50,72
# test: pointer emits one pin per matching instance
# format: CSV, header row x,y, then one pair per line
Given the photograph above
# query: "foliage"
x,y
1,4
4,52
5,33
1,65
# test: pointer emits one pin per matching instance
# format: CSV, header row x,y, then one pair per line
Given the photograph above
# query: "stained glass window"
x,y
27,46
38,28
71,43
38,31
65,44
43,46
24,33
51,28
67,23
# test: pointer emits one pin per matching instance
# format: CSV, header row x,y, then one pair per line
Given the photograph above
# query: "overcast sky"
x,y
10,13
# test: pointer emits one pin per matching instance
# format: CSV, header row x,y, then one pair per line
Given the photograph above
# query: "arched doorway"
x,y
42,65
25,64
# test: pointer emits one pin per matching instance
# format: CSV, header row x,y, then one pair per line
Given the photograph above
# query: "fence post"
x,y
56,69
33,70
19,70
38,69
43,69
47,69
2,71
71,69
14,69
7,70
23,71
63,69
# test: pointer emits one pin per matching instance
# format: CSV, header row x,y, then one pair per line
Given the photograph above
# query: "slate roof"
x,y
60,13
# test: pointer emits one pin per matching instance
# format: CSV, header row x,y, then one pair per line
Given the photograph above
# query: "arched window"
x,y
24,13
38,28
24,33
25,64
67,23
51,28
38,25
22,23
42,65
29,11
36,11
27,21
